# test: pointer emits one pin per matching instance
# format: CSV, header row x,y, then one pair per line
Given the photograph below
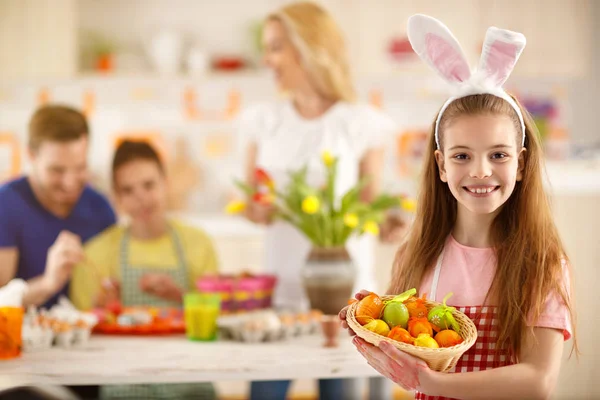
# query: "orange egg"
x,y
416,307
368,309
448,338
417,326
401,335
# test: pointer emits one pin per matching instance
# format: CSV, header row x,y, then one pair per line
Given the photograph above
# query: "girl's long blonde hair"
x,y
321,45
528,249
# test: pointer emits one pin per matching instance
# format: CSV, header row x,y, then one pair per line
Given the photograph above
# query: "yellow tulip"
x,y
351,220
235,207
371,227
409,205
311,204
327,158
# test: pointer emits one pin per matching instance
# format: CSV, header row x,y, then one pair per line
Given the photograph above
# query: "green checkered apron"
x,y
131,295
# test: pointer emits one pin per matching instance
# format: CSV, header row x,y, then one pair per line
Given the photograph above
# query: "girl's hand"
x,y
161,285
403,369
110,293
260,213
342,314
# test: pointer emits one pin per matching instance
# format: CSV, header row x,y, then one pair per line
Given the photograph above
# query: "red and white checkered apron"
x,y
483,354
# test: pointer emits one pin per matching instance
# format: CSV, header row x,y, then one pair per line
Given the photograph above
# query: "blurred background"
x,y
178,72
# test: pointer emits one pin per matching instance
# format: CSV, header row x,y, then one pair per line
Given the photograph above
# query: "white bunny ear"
x,y
501,50
435,44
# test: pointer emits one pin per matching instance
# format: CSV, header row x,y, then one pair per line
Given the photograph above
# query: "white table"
x,y
172,359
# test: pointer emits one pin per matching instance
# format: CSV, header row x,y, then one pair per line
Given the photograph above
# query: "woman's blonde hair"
x,y
529,252
320,42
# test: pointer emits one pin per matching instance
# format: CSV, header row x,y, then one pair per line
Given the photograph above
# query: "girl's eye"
x,y
461,156
499,155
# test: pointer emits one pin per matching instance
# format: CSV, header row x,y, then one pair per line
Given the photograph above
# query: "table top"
x,y
173,359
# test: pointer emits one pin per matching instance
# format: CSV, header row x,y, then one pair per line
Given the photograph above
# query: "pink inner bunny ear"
x,y
447,60
435,44
501,50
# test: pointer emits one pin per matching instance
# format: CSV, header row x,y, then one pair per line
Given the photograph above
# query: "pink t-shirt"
x,y
468,273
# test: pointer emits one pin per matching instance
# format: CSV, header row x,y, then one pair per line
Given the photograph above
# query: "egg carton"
x,y
266,326
35,337
61,326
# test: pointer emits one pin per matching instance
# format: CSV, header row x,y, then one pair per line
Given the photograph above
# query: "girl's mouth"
x,y
480,191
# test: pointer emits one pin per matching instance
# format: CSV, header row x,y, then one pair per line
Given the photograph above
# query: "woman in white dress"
x,y
305,49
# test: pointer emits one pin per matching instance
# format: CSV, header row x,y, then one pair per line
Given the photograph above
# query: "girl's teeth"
x,y
482,190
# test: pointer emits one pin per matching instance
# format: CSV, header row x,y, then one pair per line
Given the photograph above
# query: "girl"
x,y
483,231
150,262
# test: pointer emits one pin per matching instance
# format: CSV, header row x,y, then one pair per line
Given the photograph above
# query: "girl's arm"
x,y
534,377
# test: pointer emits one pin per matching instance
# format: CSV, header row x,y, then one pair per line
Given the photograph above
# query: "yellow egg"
x,y
425,340
378,326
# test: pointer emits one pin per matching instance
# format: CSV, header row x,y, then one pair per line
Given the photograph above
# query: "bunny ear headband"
x,y
435,44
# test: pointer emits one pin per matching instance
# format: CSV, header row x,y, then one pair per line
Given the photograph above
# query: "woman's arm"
x,y
371,167
250,164
534,377
256,212
393,227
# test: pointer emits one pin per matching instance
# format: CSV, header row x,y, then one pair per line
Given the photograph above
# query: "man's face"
x,y
60,170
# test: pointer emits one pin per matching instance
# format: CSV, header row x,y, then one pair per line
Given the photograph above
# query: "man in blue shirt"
x,y
46,215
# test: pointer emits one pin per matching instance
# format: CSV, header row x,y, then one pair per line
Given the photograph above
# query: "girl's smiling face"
x,y
481,161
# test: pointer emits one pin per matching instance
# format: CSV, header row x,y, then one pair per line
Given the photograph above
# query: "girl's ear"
x,y
521,167
439,159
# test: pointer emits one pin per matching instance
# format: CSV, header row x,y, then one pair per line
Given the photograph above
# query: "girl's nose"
x,y
481,169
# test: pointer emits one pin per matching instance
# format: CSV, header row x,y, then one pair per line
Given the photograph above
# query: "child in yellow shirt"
x,y
152,261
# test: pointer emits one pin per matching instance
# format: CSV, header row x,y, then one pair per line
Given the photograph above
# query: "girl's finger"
x,y
397,379
342,313
398,355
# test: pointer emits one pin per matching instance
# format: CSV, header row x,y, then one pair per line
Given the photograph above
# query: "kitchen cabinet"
x,y
559,34
46,32
375,27
38,39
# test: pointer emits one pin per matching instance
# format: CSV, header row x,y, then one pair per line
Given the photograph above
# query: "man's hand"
x,y
63,256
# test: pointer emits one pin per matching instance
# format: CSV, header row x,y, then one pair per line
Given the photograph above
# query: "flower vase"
x,y
328,279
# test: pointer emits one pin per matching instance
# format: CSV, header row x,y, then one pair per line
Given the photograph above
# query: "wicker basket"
x,y
442,359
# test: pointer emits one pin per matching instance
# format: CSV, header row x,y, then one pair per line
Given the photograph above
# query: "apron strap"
x,y
124,252
436,276
180,254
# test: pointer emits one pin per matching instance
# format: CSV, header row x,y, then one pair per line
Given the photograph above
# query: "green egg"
x,y
396,314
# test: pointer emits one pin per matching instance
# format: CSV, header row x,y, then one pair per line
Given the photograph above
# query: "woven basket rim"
x,y
462,319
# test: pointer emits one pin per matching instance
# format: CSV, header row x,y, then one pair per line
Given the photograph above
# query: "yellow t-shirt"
x,y
103,256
